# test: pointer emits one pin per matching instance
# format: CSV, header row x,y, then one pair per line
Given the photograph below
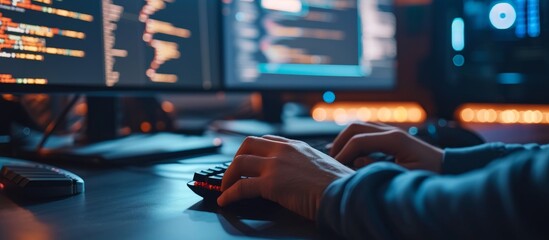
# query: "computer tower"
x,y
489,51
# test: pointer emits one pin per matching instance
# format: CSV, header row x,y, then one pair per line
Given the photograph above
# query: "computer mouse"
x,y
445,134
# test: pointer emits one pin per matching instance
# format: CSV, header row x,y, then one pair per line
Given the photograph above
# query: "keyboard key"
x,y
201,176
207,183
42,182
9,174
215,180
217,170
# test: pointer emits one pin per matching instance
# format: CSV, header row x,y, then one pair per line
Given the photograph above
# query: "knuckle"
x,y
357,138
248,139
238,160
285,146
271,161
355,126
271,164
396,134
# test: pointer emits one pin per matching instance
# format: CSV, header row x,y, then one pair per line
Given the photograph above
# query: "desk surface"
x,y
146,202
153,202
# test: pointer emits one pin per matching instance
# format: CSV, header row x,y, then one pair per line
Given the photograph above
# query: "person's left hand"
x,y
288,172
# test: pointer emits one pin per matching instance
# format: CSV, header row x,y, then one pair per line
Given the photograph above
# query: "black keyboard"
x,y
207,183
35,180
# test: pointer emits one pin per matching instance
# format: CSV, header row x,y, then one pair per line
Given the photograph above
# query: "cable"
x,y
55,123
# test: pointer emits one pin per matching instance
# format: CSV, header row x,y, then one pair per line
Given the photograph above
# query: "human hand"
x,y
288,172
358,140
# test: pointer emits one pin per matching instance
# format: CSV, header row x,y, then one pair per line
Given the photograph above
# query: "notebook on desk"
x,y
138,148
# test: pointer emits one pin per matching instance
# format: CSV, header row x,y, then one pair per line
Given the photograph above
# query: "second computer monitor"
x,y
309,44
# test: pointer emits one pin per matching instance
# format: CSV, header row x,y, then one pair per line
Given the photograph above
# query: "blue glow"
x,y
329,97
413,131
503,16
520,29
458,34
510,78
431,129
533,18
312,70
240,17
442,122
459,60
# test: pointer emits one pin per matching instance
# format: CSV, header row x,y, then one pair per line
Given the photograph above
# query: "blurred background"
x,y
478,64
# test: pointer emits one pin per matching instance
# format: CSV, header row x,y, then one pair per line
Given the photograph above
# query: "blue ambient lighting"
x,y
533,18
510,78
459,60
520,29
413,131
503,16
312,70
329,97
458,34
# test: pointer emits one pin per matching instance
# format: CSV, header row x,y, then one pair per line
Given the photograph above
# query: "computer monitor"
x,y
276,46
113,46
169,45
309,45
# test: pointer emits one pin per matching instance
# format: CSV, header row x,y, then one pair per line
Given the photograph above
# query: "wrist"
x,y
438,160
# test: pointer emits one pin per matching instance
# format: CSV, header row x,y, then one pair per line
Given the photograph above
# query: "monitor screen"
x,y
109,44
315,44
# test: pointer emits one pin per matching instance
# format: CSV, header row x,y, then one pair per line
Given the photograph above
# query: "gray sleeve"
x,y
506,200
461,160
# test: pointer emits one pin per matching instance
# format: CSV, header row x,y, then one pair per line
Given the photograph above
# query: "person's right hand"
x,y
288,172
353,145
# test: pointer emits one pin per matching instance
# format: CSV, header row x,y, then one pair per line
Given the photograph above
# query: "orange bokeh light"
x,y
168,107
393,112
146,127
503,113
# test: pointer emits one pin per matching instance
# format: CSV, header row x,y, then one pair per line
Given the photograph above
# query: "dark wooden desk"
x,y
146,202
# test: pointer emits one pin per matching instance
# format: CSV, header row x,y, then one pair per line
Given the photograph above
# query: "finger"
x,y
242,165
277,138
364,144
243,189
256,146
381,124
351,131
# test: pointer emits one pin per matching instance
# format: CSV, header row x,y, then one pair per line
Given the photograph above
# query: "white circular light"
x,y
503,16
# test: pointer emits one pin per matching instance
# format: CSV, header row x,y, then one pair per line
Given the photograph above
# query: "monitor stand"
x,y
5,123
272,122
103,145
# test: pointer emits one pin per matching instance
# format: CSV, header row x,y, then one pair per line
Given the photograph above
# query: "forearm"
x,y
461,160
385,201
